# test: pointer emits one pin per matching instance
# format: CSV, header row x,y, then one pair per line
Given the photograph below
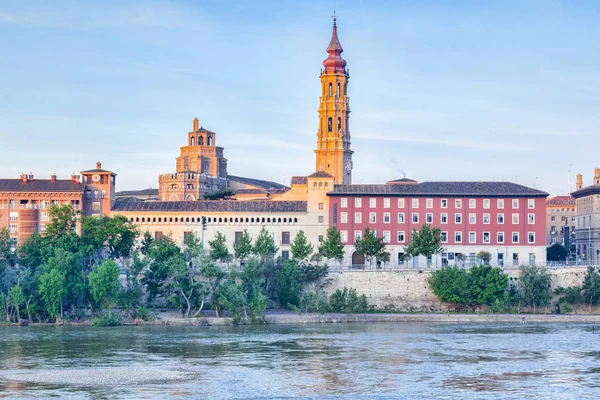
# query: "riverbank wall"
x,y
408,290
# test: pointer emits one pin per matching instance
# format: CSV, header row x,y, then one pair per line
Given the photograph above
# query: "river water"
x,y
341,361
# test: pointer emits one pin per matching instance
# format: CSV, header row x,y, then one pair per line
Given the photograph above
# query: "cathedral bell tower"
x,y
333,138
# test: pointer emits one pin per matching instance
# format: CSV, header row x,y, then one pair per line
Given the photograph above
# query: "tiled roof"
x,y
299,180
97,171
211,206
402,180
142,192
41,185
250,191
256,182
320,174
561,201
442,189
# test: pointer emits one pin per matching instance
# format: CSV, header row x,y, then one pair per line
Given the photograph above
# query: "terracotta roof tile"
x,y
41,185
299,180
442,189
211,206
320,174
561,201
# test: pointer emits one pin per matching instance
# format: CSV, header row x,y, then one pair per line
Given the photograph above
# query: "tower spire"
x,y
334,62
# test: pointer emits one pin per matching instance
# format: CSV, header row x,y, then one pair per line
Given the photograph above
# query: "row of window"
x,y
486,218
429,203
563,219
38,205
216,220
458,237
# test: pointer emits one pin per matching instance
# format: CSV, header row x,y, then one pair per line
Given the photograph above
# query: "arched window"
x,y
137,220
193,219
143,219
326,184
263,219
269,220
187,220
330,89
230,219
131,219
339,124
320,185
200,140
192,141
220,220
279,220
159,219
315,185
247,220
209,140
295,220
338,89
285,220
236,220
176,219
170,219
329,124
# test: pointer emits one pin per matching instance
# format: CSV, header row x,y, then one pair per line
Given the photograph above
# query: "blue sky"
x,y
461,90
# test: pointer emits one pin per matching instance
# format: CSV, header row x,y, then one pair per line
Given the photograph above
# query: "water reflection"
x,y
320,361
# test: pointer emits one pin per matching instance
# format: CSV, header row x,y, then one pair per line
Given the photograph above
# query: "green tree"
x,y
52,290
243,247
17,299
264,245
486,284
301,248
213,278
426,241
116,235
485,257
370,245
31,252
450,284
224,194
146,243
63,220
534,286
287,284
193,247
332,247
104,284
218,248
186,286
161,258
556,252
591,287
8,257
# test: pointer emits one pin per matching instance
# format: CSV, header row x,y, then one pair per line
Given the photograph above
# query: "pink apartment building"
x,y
505,219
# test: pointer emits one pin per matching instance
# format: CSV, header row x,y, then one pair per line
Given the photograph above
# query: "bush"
x,y
105,320
348,301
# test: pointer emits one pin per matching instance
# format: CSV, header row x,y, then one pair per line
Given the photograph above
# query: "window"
x,y
321,219
486,218
444,218
386,218
96,194
285,238
515,259
343,217
415,203
500,237
500,218
386,203
158,235
320,238
444,203
458,237
553,219
429,203
88,194
344,202
472,237
400,203
358,202
372,217
472,203
13,228
472,218
515,237
357,235
386,236
530,203
344,236
400,218
358,217
285,255
44,217
372,203
429,218
95,206
330,89
329,124
531,237
531,218
444,237
515,203
458,218
553,229
500,203
486,237
515,218
458,203
321,206
401,237
338,90
415,218
486,203
14,216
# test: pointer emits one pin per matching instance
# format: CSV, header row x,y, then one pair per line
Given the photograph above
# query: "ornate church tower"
x,y
333,138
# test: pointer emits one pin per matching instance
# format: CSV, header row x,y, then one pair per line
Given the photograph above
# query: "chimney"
x,y
195,125
53,178
75,178
579,182
31,176
98,165
24,178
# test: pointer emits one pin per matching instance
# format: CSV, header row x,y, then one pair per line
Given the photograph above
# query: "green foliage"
x,y
63,221
348,301
288,285
450,284
591,287
188,289
556,252
426,241
223,194
163,257
105,320
301,248
116,235
314,302
16,298
218,248
534,286
8,257
264,245
104,284
486,284
243,248
571,294
52,284
146,243
485,257
370,245
214,279
312,273
30,252
332,247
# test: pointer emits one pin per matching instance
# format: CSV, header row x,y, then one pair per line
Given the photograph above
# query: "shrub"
x,y
106,320
348,301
